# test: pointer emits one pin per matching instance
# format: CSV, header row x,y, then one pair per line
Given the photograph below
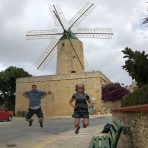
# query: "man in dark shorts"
x,y
81,107
35,97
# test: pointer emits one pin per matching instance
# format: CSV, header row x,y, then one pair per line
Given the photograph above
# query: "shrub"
x,y
113,92
138,97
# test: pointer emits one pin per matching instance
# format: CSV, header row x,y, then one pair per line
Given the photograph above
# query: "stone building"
x,y
70,71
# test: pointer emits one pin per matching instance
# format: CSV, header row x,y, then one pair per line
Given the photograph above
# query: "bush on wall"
x,y
113,92
138,97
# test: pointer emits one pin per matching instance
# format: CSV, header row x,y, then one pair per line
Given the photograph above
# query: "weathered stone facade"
x,y
62,87
137,135
70,60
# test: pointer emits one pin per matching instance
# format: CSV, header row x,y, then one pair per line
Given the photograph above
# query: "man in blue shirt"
x,y
35,97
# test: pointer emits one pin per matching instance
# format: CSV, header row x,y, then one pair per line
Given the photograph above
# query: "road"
x,y
18,134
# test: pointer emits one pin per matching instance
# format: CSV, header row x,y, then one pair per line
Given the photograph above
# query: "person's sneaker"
x,y
77,130
41,124
30,122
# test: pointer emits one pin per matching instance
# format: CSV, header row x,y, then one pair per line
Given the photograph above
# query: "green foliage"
x,y
145,20
138,97
136,65
8,85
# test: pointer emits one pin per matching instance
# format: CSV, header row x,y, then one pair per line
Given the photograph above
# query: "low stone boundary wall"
x,y
136,119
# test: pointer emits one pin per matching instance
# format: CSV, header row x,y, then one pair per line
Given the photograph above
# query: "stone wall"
x,y
107,106
137,134
67,60
62,87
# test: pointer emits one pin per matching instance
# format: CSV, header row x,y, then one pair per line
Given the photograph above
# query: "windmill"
x,y
70,58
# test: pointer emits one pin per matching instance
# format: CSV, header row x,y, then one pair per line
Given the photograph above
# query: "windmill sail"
x,y
58,10
42,34
47,55
101,33
82,14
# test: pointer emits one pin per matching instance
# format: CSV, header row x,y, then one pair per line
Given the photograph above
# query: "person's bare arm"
x,y
24,94
45,94
89,102
71,103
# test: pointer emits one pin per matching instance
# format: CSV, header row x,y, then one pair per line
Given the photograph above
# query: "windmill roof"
x,y
69,36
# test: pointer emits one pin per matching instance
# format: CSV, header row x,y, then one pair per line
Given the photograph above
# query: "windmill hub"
x,y
68,34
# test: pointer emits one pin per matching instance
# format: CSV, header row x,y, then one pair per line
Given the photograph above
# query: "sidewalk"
x,y
90,116
70,140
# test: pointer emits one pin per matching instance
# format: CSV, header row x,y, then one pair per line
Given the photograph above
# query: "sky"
x,y
124,17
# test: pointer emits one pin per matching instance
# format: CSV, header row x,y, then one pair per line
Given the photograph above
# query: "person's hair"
x,y
78,86
34,85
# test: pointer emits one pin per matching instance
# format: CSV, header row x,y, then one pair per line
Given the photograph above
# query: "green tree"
x,y
8,85
136,65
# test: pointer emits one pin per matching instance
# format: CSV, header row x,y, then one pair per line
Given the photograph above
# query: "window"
x,y
73,71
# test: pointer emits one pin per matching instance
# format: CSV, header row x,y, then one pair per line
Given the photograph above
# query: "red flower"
x,y
113,91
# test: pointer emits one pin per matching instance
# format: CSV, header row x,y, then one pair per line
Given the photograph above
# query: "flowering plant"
x,y
113,92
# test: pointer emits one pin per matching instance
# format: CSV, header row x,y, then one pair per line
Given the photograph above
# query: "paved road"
x,y
18,134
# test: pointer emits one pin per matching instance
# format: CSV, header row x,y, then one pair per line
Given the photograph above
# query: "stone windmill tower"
x,y
70,58
70,64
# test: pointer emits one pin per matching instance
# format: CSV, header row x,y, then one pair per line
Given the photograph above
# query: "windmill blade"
x,y
47,55
59,12
82,14
42,34
101,33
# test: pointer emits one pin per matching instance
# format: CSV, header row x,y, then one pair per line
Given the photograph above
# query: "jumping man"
x,y
35,97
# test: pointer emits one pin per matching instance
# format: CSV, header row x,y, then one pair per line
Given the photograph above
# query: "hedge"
x,y
138,97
